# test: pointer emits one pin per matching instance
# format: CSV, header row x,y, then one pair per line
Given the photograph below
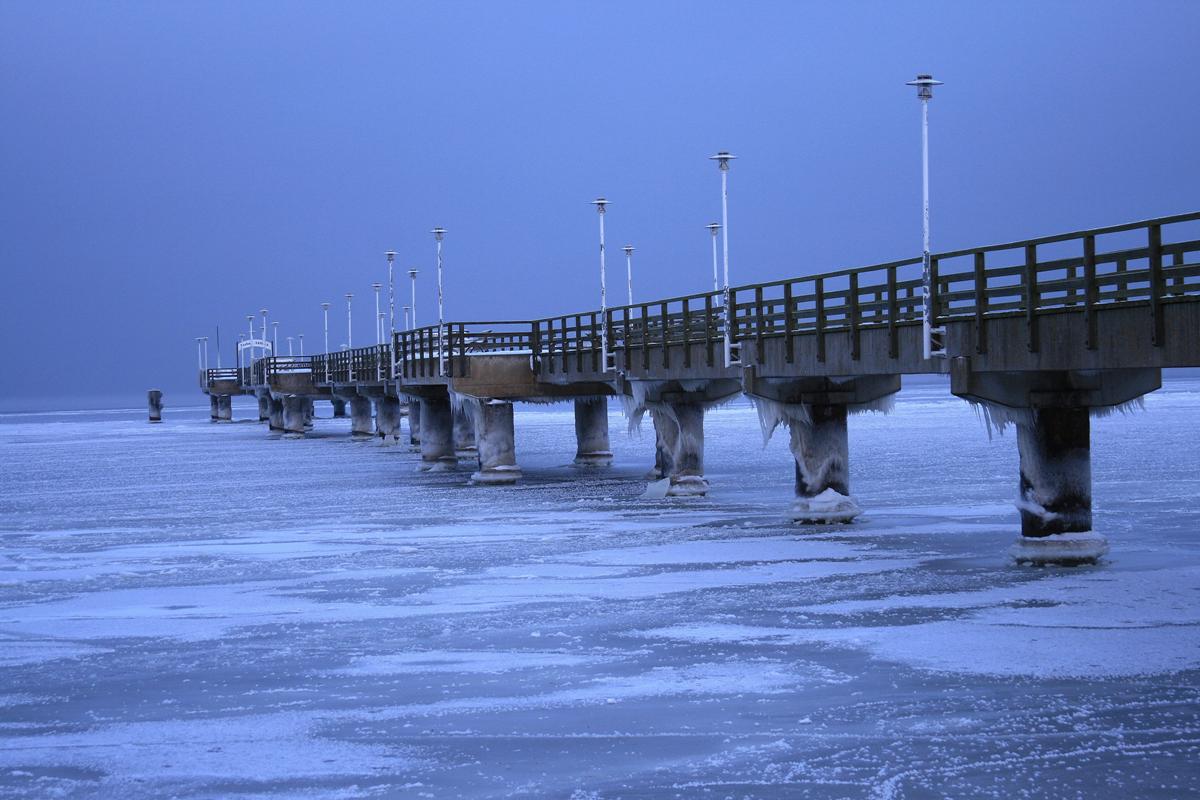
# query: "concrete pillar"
x,y
666,433
387,419
591,433
437,435
225,408
497,447
214,408
821,448
339,407
414,423
276,413
154,398
264,408
464,435
1056,488
293,416
687,473
360,417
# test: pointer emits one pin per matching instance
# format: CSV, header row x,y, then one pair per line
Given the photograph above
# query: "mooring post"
x,y
155,399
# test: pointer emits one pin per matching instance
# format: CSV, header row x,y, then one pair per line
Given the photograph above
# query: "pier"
x,y
1040,334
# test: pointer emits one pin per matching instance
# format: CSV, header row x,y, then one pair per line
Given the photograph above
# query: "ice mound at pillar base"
x,y
1063,549
827,507
687,486
495,476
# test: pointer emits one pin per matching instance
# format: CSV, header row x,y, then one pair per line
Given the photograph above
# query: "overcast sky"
x,y
170,167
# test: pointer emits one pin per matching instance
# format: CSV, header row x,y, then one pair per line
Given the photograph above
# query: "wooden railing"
x,y
209,376
265,368
359,365
420,353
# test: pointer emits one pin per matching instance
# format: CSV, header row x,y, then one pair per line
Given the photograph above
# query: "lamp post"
x,y
600,204
412,273
301,337
629,271
263,311
349,326
406,310
438,234
250,321
391,258
200,357
274,338
714,228
925,84
378,314
205,340
723,158
325,312
289,341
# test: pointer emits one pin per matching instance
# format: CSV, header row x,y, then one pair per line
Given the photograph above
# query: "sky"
x,y
167,168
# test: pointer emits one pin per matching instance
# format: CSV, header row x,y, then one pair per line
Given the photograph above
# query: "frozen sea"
x,y
205,610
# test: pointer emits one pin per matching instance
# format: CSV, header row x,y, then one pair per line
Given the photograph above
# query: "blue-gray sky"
x,y
168,167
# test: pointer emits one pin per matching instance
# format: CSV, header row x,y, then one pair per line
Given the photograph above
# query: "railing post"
x,y
759,324
819,292
1156,284
1177,280
893,309
1031,297
566,363
663,322
981,303
579,343
687,330
731,325
789,324
1089,291
535,346
645,338
708,329
853,311
607,322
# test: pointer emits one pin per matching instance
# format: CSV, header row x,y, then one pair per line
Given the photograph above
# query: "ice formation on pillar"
x,y
264,407
437,436
360,417
496,440
591,432
465,416
387,420
293,416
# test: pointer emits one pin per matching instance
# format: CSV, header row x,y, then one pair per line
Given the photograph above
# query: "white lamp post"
x,y
349,325
263,311
438,233
274,338
325,312
200,357
412,273
205,338
289,341
629,271
406,310
723,158
600,204
391,258
714,228
378,314
250,321
301,337
925,84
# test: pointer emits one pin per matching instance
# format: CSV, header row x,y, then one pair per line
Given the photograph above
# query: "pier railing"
x,y
266,368
210,376
358,365
442,351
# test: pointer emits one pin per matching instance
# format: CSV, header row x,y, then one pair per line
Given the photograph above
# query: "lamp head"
x,y
377,286
348,296
600,203
722,158
325,306
713,227
438,233
628,249
412,273
924,84
391,255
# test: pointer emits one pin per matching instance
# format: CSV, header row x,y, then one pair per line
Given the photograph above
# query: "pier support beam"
x,y
414,423
497,444
816,411
387,419
339,407
309,412
360,417
687,471
264,407
821,448
437,435
666,433
293,416
465,444
591,433
214,408
225,408
276,413
1052,413
154,399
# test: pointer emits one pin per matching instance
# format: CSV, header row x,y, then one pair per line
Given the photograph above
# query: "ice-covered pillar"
x,y
154,398
387,419
464,434
821,448
214,408
225,408
591,432
339,407
360,417
276,413
437,435
687,472
264,408
666,433
1056,488
293,416
309,413
497,444
414,422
